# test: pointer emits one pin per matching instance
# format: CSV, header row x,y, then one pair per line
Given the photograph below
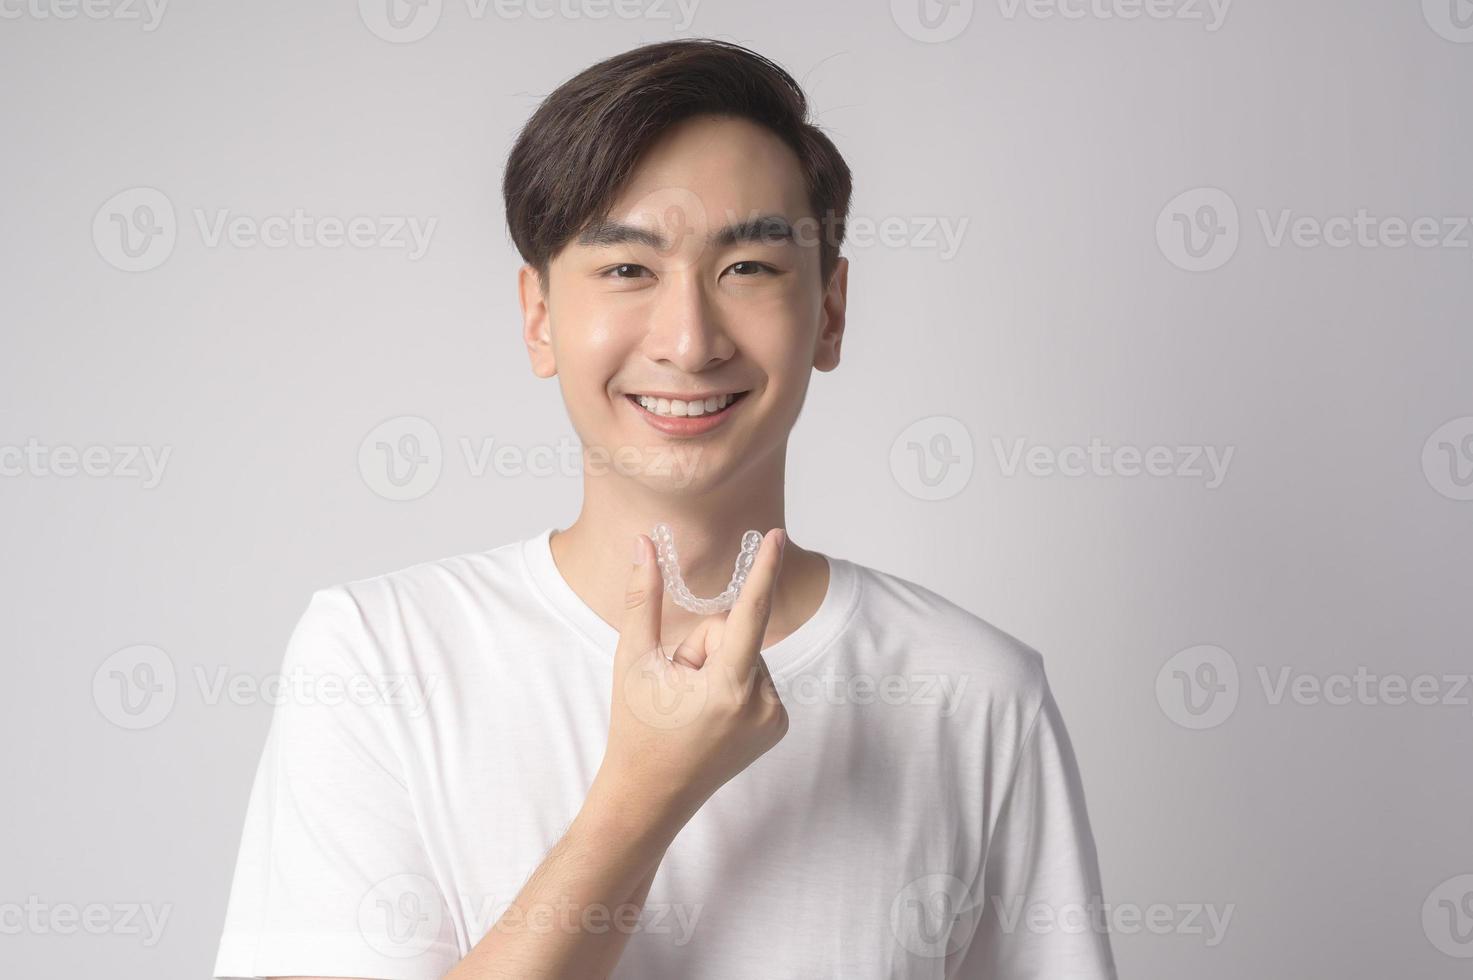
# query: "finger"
x,y
639,630
692,649
746,624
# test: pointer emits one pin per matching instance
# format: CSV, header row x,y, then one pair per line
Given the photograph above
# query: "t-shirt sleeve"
x,y
332,877
1039,889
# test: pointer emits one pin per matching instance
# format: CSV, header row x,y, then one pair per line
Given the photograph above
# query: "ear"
x,y
831,333
536,322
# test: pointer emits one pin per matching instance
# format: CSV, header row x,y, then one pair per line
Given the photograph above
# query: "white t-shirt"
x,y
440,726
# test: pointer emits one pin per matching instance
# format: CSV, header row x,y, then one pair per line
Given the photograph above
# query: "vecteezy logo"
x,y
135,688
135,230
400,21
1451,19
932,21
664,695
401,916
401,458
674,215
1198,687
934,915
1198,230
1447,917
933,458
1447,459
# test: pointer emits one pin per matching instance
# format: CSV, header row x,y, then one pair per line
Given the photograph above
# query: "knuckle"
x,y
635,597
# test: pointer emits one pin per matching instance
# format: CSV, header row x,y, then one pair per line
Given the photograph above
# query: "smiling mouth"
x,y
678,408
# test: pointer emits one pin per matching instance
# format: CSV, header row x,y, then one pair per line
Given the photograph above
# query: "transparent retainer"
x,y
669,562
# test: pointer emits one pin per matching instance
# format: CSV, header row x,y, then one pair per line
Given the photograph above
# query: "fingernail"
x,y
638,550
782,540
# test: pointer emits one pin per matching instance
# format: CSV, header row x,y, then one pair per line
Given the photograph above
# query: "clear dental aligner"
x,y
675,585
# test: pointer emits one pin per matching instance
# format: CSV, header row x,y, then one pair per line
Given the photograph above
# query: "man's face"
x,y
703,282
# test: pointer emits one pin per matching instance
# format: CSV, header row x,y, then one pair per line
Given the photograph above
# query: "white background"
x,y
1333,543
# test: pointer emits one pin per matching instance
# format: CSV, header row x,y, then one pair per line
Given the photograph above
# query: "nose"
x,y
685,328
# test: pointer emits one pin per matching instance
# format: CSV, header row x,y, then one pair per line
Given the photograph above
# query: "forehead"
x,y
727,166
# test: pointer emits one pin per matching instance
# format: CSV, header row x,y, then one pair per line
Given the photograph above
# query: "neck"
x,y
595,552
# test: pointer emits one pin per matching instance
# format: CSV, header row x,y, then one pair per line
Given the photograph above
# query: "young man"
x,y
844,776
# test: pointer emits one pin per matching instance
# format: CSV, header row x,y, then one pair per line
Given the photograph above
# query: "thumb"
x,y
639,631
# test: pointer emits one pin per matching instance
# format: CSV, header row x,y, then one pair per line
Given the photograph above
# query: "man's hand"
x,y
680,728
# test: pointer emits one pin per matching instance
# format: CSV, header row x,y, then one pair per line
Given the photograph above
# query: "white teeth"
x,y
676,408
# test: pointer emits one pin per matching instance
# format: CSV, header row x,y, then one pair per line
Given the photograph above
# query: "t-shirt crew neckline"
x,y
789,654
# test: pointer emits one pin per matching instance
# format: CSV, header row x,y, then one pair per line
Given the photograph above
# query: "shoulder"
x,y
382,612
946,636
438,581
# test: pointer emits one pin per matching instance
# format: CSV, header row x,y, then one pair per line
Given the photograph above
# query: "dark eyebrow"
x,y
604,233
770,229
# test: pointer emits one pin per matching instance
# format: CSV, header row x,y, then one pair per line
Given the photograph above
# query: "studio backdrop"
x,y
1159,357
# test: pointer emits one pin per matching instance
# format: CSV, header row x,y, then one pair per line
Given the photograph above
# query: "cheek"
x,y
588,340
604,326
777,332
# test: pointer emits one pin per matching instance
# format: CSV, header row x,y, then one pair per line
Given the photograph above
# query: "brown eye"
x,y
627,271
751,268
